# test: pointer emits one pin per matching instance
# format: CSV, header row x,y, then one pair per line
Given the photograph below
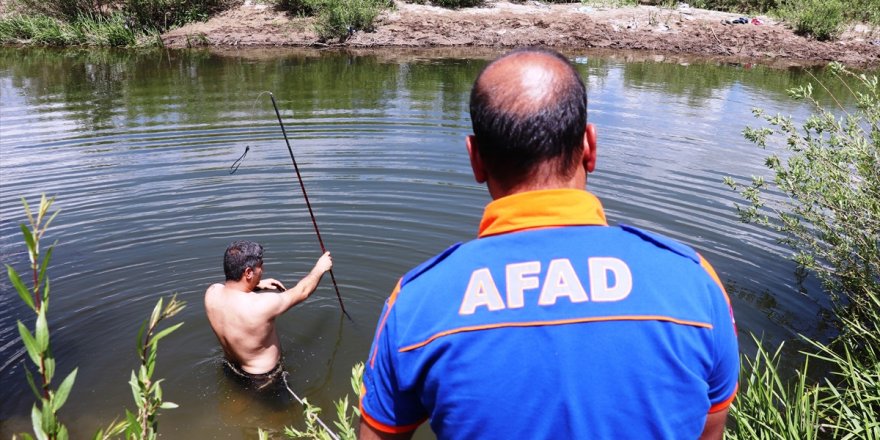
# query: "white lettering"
x,y
600,290
561,281
519,279
481,291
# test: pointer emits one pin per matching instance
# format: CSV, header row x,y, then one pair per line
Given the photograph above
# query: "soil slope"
x,y
501,24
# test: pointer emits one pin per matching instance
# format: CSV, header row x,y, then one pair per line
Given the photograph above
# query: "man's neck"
x,y
545,177
241,286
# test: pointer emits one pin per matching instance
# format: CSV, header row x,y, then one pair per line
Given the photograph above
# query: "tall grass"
x,y
84,30
843,404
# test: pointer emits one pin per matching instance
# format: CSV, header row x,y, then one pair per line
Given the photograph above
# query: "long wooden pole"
x,y
308,205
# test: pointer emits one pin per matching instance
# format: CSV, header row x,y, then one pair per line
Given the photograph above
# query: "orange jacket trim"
x,y
391,300
557,322
541,209
721,406
379,426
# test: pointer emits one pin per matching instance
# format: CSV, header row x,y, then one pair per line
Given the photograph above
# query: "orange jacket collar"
x,y
541,209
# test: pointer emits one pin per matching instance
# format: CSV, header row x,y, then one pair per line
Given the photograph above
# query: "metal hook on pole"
x,y
306,196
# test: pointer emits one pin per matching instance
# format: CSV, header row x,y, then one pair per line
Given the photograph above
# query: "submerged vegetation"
x,y
823,198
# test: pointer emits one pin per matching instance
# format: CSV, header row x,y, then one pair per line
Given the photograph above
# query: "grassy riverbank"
x,y
139,22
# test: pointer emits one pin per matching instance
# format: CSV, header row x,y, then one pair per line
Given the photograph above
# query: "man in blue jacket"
x,y
550,324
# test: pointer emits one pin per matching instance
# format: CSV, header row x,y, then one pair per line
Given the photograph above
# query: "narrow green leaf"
x,y
46,225
30,344
49,367
23,291
27,210
29,240
62,433
164,333
24,436
140,337
48,419
64,390
45,263
112,430
168,405
133,425
45,289
151,361
44,206
36,423
154,317
30,379
136,390
41,333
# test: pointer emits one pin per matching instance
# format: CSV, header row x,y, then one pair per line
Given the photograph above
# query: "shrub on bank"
x,y
821,19
829,214
162,15
337,19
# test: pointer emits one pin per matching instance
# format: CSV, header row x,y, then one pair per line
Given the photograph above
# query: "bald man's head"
x,y
529,110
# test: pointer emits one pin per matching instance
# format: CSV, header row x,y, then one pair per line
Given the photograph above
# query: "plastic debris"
x,y
757,21
741,20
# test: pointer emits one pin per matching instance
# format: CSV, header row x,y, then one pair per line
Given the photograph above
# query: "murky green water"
x,y
137,148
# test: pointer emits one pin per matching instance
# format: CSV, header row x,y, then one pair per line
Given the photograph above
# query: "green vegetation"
x,y
148,392
96,23
824,200
85,30
339,18
346,415
44,418
821,19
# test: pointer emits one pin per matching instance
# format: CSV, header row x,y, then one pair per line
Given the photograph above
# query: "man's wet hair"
x,y
514,133
239,256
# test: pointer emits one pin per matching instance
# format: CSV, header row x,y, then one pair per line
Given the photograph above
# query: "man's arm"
x,y
305,286
367,432
714,429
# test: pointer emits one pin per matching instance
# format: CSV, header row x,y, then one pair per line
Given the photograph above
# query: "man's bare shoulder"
x,y
214,291
264,301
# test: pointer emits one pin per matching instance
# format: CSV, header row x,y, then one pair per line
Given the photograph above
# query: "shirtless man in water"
x,y
244,319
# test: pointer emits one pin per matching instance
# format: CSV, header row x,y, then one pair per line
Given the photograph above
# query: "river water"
x,y
137,147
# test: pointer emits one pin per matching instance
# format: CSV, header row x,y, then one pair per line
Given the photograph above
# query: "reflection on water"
x,y
136,147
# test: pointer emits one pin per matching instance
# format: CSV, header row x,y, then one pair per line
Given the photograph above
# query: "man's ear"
x,y
248,273
589,159
476,162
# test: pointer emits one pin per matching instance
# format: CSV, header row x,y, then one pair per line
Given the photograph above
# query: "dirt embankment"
x,y
500,24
